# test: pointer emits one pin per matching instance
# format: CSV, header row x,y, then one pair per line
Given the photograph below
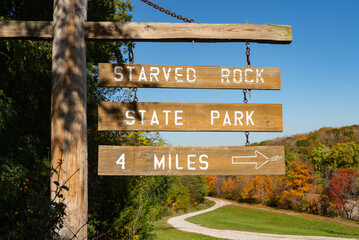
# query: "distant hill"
x,y
302,144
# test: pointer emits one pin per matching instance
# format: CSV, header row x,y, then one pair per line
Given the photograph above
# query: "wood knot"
x,y
111,28
149,27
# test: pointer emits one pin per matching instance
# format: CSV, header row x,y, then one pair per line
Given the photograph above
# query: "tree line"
x,y
321,175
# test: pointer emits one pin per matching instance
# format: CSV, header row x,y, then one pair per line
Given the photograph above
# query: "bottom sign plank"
x,y
168,160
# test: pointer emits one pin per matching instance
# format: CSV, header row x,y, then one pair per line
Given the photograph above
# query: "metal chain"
x,y
248,53
179,17
131,58
247,138
135,98
245,100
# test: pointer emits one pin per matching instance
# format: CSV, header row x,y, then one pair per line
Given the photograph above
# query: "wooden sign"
x,y
169,76
155,116
68,32
166,160
155,32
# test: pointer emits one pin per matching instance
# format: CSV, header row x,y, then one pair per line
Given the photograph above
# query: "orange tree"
x,y
300,190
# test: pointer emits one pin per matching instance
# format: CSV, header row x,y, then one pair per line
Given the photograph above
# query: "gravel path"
x,y
180,223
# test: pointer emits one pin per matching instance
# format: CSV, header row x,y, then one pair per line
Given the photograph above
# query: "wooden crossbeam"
x,y
155,32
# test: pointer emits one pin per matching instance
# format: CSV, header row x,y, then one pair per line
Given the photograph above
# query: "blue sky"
x,y
319,69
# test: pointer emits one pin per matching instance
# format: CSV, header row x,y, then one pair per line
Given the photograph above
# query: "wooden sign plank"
x,y
166,160
170,76
155,32
155,116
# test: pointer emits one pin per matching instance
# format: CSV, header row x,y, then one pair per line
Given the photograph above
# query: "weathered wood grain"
x,y
170,76
166,160
68,115
155,32
189,117
184,32
41,30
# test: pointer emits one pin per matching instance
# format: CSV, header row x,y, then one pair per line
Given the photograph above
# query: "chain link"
x,y
131,58
247,138
248,53
168,12
135,98
245,100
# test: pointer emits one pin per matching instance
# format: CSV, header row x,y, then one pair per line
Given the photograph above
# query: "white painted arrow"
x,y
276,158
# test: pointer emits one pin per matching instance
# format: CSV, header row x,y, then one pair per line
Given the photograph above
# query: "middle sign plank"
x,y
153,116
169,76
167,160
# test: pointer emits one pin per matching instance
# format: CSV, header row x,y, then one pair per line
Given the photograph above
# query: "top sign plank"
x,y
155,32
169,76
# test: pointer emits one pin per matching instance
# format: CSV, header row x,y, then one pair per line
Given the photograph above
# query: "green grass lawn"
x,y
253,220
165,231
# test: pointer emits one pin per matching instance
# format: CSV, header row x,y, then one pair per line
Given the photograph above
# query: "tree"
x,y
319,156
343,155
298,186
342,188
26,210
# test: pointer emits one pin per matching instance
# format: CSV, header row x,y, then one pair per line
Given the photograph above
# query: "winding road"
x,y
181,224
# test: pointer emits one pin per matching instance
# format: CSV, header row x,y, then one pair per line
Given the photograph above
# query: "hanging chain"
x,y
131,58
248,53
247,138
168,12
245,100
135,98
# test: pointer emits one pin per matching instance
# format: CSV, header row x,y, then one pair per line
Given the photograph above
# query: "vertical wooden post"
x,y
68,114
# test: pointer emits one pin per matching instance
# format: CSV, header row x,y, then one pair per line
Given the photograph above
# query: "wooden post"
x,y
68,114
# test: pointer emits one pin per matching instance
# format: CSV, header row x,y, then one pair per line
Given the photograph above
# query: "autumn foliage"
x,y
321,176
342,187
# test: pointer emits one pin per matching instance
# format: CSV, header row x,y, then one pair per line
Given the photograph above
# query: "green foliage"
x,y
311,161
119,207
341,155
7,113
302,143
289,156
319,154
344,155
26,209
